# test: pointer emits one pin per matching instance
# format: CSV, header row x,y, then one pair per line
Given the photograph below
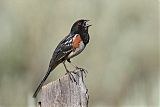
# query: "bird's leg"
x,y
81,69
65,66
72,64
69,73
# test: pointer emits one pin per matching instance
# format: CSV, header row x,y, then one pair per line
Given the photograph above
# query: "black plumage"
x,y
65,48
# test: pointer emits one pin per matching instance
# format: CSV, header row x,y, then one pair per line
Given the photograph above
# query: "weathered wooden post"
x,y
65,93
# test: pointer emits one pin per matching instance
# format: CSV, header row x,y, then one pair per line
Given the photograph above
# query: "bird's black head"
x,y
80,27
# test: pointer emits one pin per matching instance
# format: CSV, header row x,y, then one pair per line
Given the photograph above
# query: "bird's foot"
x,y
71,76
81,74
82,70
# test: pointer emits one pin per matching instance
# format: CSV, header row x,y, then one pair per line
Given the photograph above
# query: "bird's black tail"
x,y
43,80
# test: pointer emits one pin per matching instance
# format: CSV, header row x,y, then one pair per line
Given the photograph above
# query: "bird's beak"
x,y
88,25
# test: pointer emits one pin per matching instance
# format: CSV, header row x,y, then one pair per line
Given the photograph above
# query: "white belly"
x,y
77,50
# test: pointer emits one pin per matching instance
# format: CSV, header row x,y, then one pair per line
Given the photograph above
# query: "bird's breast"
x,y
76,41
77,45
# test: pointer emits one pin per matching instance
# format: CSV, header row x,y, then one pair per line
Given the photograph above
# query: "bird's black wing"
x,y
60,54
63,49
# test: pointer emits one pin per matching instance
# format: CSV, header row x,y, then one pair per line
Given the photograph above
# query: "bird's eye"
x,y
79,23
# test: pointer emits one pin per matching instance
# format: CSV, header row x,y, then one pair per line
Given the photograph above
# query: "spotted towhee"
x,y
72,45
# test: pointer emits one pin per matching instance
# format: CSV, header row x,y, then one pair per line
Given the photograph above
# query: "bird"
x,y
72,45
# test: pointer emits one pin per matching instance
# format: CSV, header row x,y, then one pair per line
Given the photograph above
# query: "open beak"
x,y
88,25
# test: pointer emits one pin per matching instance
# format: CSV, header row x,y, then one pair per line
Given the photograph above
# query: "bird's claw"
x,y
82,70
71,77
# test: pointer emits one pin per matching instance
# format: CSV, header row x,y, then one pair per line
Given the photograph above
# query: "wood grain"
x,y
65,93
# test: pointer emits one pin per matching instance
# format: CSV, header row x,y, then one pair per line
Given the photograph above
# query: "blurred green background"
x,y
121,58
